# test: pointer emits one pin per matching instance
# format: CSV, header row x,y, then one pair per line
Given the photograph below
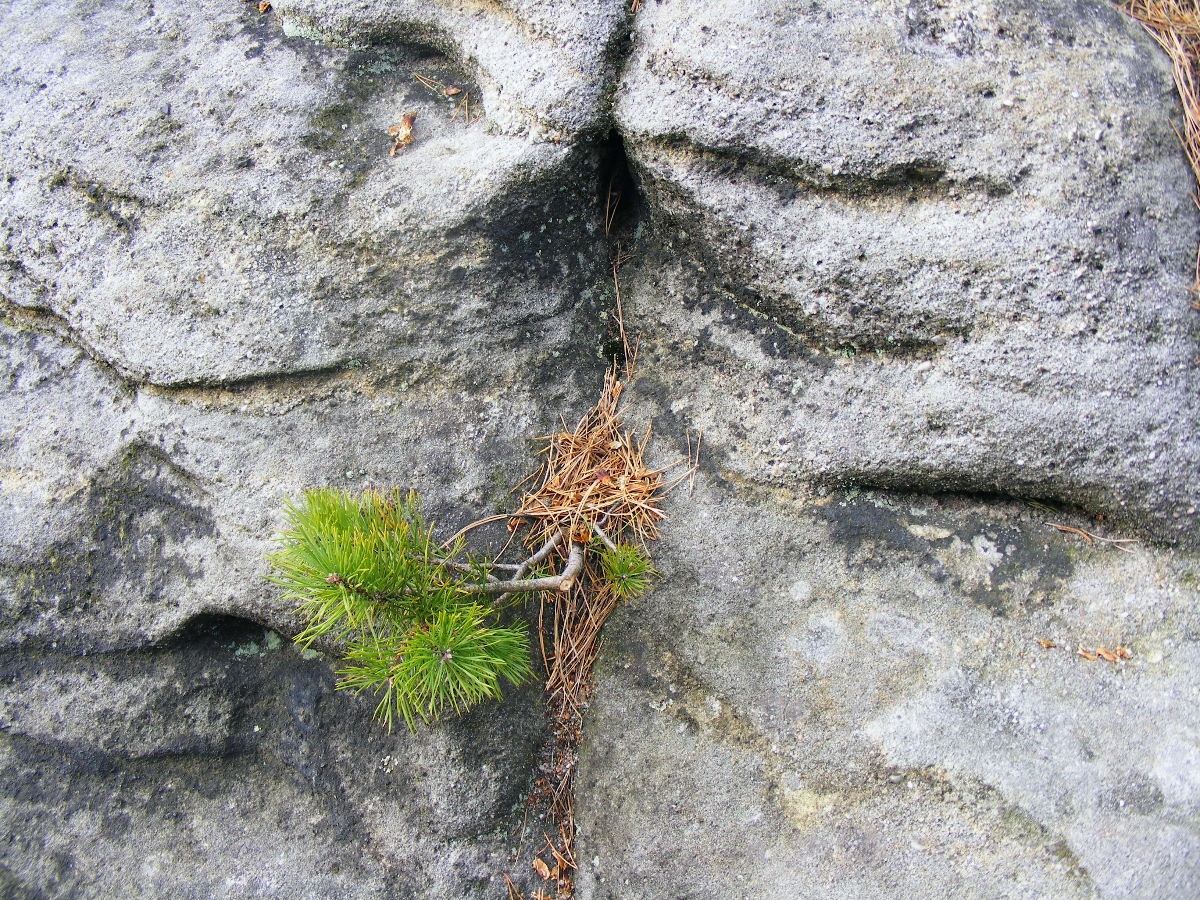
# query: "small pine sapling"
x,y
627,568
420,623
368,578
406,616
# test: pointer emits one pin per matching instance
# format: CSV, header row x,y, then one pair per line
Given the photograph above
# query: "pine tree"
x,y
367,576
370,581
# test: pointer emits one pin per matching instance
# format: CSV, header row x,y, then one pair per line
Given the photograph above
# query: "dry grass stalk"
x,y
1175,24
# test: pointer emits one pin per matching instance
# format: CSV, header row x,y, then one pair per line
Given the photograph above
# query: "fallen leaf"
x,y
1106,654
542,869
1123,653
1049,645
1087,655
451,91
264,6
403,133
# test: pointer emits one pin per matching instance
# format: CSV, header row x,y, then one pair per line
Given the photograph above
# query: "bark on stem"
x,y
561,582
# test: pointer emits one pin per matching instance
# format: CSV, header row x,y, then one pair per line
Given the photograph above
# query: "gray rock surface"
x,y
202,200
220,764
843,695
962,228
544,67
219,288
880,245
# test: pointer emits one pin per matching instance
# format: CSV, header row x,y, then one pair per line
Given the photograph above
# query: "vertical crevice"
x,y
621,204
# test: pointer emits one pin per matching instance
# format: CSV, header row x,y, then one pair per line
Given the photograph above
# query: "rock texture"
x,y
961,228
544,68
904,264
843,695
219,764
220,288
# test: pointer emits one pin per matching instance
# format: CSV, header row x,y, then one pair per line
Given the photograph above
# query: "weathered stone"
x,y
543,66
220,289
844,695
960,235
222,205
910,264
222,764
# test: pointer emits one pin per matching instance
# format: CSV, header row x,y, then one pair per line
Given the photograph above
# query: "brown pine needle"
x,y
1091,539
1175,24
593,479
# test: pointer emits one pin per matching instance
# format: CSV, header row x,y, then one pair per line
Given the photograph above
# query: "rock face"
x,y
903,264
218,764
961,228
844,696
220,288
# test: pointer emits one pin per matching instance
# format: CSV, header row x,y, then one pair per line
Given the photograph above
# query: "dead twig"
x,y
1091,539
564,581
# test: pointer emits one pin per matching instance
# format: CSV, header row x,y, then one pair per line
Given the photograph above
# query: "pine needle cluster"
x,y
627,568
369,579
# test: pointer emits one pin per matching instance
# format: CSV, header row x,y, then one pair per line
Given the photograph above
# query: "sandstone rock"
x,y
221,764
221,206
957,236
220,288
844,695
545,67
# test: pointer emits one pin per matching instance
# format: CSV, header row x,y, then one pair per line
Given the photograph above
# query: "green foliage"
x,y
367,576
629,570
452,663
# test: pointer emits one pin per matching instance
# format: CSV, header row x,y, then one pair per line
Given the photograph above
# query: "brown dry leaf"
x,y
1049,645
451,91
264,6
542,869
1124,653
1106,654
403,133
1088,655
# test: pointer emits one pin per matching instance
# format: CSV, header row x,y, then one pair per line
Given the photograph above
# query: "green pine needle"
x,y
365,573
628,569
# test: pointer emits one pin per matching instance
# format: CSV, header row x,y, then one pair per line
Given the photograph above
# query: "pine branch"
x,y
564,581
